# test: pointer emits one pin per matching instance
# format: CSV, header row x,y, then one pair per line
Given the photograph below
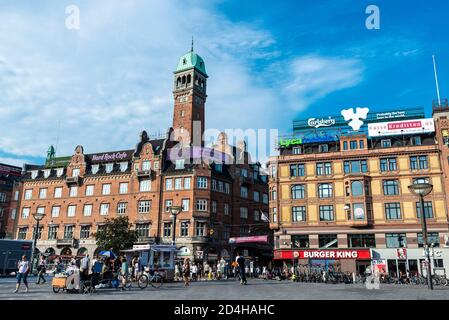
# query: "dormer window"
x,y
95,168
323,148
123,166
34,174
75,172
184,61
146,165
109,167
179,164
59,172
47,173
219,167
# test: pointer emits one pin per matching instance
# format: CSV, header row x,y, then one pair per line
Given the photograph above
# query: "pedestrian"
x,y
265,273
206,270
42,269
24,269
177,272
84,267
200,271
251,269
241,263
186,272
194,272
124,271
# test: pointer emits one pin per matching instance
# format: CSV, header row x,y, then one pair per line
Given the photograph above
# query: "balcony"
x,y
74,180
201,239
144,174
65,242
360,223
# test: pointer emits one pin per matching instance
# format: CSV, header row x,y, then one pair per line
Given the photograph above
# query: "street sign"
x,y
199,254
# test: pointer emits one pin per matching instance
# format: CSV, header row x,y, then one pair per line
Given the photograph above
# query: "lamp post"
x,y
422,190
174,210
38,217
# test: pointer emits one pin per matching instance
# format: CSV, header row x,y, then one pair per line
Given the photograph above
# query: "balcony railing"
x,y
141,174
73,180
64,242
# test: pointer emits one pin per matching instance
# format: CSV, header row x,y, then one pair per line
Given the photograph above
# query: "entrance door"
x,y
392,268
362,265
413,267
402,267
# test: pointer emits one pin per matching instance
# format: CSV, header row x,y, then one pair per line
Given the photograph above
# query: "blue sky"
x,y
268,63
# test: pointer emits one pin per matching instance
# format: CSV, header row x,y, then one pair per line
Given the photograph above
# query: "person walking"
x,y
42,269
194,272
241,264
124,272
22,274
206,270
186,272
84,267
177,272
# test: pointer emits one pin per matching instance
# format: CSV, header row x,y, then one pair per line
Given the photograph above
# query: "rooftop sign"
x,y
401,127
287,142
111,156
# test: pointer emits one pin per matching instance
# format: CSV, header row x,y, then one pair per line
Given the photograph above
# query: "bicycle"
x,y
146,278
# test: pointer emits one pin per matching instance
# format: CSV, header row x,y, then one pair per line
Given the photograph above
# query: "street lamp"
x,y
174,210
422,190
38,217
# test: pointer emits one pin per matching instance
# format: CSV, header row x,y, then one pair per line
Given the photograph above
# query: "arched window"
x,y
183,79
189,79
357,188
178,82
196,80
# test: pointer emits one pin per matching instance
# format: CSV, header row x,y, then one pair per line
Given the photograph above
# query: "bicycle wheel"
x,y
142,281
156,281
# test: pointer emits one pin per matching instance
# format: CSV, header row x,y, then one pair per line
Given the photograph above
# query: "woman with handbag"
x,y
22,274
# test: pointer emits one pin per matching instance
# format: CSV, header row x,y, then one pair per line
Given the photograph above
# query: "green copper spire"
x,y
191,60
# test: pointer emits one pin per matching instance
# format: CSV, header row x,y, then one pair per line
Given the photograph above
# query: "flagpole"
x,y
436,79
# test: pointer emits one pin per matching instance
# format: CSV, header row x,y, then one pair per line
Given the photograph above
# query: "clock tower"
x,y
189,93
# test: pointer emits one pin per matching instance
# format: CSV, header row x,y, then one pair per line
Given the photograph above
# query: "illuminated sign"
x,y
285,143
355,119
323,254
111,156
401,127
316,123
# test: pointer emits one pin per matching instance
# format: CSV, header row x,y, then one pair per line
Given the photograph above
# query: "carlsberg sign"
x,y
316,123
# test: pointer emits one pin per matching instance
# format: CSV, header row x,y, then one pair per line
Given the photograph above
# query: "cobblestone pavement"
x,y
231,290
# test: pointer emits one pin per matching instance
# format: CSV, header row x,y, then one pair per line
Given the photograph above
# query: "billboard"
x,y
395,128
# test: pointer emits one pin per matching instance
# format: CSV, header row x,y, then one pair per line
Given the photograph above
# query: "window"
x,y
47,173
220,186
143,230
225,234
265,198
323,168
418,163
244,173
226,209
123,166
185,204
353,144
34,174
55,210
90,190
218,167
297,170
121,207
297,150
421,180
52,232
39,232
13,214
168,204
388,164
256,196
16,195
95,168
327,213
300,241
243,213
144,206
184,229
201,183
357,188
393,210
58,192
75,172
73,191
28,194
273,194
298,191
325,190
71,211
106,189
214,206
391,187
345,145
179,164
43,193
123,187
361,241
40,210
432,238
274,215
187,183
87,210
415,141
428,210
323,148
59,172
85,232
168,184
361,144
109,167
201,205
178,183
104,209
244,231
328,241
227,188
68,232
199,230
298,213
22,235
256,215
385,143
355,166
25,213
396,240
146,165
167,229
145,185
244,192
359,211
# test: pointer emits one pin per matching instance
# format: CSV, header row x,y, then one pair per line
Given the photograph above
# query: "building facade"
x,y
339,191
10,177
220,197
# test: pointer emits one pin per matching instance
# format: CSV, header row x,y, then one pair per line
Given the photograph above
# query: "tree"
x,y
116,235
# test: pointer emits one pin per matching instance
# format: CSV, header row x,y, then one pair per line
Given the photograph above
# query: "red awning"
x,y
331,254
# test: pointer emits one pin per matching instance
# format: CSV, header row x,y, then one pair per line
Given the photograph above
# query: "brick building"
x,y
220,198
339,190
10,177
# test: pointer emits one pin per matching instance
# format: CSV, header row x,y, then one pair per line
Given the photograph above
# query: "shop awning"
x,y
331,254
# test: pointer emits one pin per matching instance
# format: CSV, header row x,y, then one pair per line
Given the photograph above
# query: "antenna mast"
x,y
436,79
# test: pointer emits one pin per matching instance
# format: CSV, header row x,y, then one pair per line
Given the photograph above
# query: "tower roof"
x,y
191,61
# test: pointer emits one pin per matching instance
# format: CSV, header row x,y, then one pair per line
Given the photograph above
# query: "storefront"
x,y
257,249
338,260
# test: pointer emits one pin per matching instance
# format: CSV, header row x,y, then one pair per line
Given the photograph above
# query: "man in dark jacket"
x,y
241,263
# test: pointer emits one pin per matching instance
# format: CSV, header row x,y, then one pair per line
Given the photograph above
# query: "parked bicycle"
x,y
153,278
